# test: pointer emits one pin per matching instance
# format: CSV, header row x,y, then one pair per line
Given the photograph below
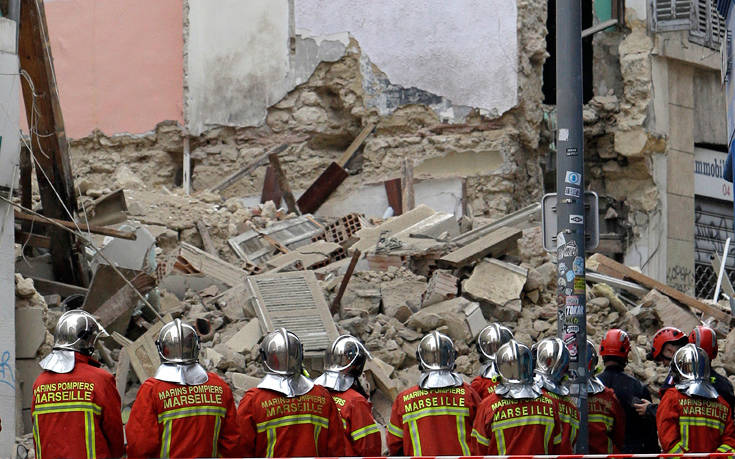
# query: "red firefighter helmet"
x,y
666,335
705,338
615,344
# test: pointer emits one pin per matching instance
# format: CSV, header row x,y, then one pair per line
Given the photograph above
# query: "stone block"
x,y
247,337
681,128
680,218
680,173
670,313
244,382
30,332
494,284
681,84
401,297
458,316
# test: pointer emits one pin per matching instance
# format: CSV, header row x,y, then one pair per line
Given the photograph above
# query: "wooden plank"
x,y
615,282
271,191
85,228
519,218
493,245
337,303
47,287
124,299
322,187
393,192
33,240
408,201
206,238
47,137
26,179
352,149
332,177
650,283
283,183
257,162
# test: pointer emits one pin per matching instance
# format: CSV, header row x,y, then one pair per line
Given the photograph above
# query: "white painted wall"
x,y
239,61
9,148
464,50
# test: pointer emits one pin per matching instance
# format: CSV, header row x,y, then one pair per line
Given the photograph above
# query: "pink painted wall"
x,y
119,63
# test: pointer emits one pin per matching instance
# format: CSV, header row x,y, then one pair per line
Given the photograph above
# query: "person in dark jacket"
x,y
706,338
640,434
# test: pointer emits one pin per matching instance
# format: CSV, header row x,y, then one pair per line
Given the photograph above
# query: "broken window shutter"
x,y
294,301
698,30
672,14
719,29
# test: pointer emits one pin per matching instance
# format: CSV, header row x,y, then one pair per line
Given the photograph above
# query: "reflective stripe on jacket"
x,y
361,430
606,420
173,420
432,422
272,425
77,414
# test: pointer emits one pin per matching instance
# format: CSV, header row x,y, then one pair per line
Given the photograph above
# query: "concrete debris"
x,y
495,284
669,312
246,338
442,286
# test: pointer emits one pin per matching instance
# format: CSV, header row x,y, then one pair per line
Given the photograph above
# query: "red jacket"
x,y
691,424
362,433
174,420
569,417
505,426
484,386
606,420
272,425
77,414
432,422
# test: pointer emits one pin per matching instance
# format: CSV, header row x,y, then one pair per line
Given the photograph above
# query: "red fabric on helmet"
x,y
615,343
663,336
705,338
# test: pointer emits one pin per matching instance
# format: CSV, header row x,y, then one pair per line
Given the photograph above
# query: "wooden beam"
x,y
206,238
47,137
33,240
492,245
283,183
337,303
605,265
124,299
86,228
26,182
357,143
47,287
271,191
257,162
393,192
408,200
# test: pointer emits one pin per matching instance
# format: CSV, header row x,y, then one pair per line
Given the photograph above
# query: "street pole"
x,y
570,201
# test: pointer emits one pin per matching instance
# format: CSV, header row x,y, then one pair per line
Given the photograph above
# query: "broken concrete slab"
x,y
401,297
493,245
369,236
246,338
380,372
192,260
669,312
243,382
442,286
462,318
138,255
30,332
496,283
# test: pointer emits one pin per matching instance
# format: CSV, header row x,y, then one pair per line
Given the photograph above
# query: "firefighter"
x,y
640,435
488,342
692,417
183,410
287,415
519,417
666,342
344,362
605,415
76,407
552,362
706,338
435,417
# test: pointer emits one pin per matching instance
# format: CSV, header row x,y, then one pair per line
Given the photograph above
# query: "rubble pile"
x,y
385,281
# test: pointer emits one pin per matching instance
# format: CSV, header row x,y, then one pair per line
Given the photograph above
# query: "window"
x,y
671,15
707,26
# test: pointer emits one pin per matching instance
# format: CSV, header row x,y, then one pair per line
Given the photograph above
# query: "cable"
x,y
85,241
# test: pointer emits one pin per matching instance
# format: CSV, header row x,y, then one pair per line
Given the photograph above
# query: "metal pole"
x,y
570,194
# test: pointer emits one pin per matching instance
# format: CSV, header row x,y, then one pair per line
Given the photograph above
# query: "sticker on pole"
x,y
563,135
573,178
576,219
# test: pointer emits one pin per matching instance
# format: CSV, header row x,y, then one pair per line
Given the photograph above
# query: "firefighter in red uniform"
x,y
344,362
706,338
434,418
76,407
552,363
605,415
287,415
488,342
183,410
692,417
519,417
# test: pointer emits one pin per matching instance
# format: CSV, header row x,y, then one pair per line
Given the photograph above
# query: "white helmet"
x,y
515,365
76,331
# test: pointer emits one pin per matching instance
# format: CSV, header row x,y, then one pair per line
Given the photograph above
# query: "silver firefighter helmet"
x,y
488,342
178,347
76,331
594,384
515,365
436,355
282,355
692,368
552,363
343,363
